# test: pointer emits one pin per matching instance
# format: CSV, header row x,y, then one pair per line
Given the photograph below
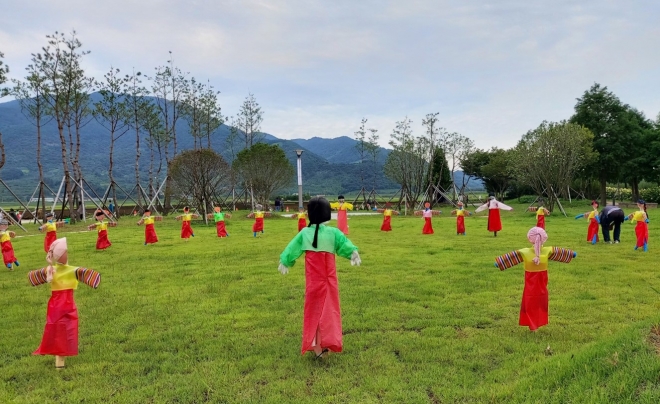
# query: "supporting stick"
x,y
59,361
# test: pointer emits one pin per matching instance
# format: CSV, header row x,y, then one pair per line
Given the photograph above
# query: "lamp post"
x,y
300,194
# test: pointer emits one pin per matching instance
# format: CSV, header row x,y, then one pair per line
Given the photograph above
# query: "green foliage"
x,y
201,174
427,318
550,156
264,169
4,70
441,173
651,194
494,167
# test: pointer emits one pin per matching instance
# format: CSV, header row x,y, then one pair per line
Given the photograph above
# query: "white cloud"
x,y
493,69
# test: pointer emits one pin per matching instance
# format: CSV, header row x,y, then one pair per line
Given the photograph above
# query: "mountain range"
x,y
329,166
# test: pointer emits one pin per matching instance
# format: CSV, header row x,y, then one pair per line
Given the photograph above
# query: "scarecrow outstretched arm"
x,y
37,277
88,276
564,255
509,260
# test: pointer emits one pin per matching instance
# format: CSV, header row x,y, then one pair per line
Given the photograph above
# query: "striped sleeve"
x,y
561,254
509,260
37,277
88,276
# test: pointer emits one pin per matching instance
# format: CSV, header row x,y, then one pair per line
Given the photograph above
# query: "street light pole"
x,y
300,194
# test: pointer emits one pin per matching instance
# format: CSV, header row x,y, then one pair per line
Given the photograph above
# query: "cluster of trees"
x,y
604,141
56,88
424,165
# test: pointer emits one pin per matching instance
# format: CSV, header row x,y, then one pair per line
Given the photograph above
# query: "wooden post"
x,y
59,362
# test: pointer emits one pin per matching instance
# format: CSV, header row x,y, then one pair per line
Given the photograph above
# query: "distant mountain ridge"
x,y
330,166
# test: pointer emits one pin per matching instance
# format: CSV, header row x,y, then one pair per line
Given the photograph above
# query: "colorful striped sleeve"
x,y
509,260
88,276
37,277
561,254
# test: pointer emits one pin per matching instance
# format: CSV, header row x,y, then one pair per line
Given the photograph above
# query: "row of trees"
x,y
604,141
426,164
56,88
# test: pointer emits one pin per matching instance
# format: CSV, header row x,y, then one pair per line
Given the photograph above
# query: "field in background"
x,y
426,318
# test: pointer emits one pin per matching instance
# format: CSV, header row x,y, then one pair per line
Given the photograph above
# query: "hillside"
x,y
329,165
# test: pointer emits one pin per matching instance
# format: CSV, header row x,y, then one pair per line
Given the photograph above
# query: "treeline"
x,y
604,142
147,106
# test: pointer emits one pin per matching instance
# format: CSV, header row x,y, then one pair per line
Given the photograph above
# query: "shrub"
x,y
651,194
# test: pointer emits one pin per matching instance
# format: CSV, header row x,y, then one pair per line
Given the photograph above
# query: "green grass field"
x,y
427,319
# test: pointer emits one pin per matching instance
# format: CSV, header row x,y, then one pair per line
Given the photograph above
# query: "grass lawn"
x,y
427,319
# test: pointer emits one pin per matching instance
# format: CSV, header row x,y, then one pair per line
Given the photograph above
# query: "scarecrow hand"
x,y
355,259
283,269
580,216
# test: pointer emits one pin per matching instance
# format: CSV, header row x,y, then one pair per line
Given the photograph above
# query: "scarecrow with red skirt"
x,y
494,220
8,256
186,218
101,227
60,336
534,306
387,217
322,329
150,236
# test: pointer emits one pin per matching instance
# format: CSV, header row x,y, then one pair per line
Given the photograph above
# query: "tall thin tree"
x,y
57,62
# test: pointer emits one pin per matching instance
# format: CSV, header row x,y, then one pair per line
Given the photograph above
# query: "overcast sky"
x,y
492,69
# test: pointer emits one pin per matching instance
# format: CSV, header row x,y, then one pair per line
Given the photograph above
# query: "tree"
x,y
211,113
600,111
30,95
374,150
136,105
641,135
60,65
111,111
406,164
456,148
494,167
265,169
361,146
169,84
200,174
441,176
548,157
4,70
156,140
248,121
191,109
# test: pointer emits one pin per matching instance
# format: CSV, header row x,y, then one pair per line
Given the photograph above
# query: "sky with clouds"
x,y
491,69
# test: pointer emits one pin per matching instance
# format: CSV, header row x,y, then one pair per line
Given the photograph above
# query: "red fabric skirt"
x,y
302,223
387,223
540,221
494,221
8,253
428,228
150,236
61,331
220,228
592,230
642,232
460,224
322,310
258,224
342,221
534,306
186,229
102,241
50,237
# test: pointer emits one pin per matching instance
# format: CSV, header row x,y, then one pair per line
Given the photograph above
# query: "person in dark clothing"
x,y
611,217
